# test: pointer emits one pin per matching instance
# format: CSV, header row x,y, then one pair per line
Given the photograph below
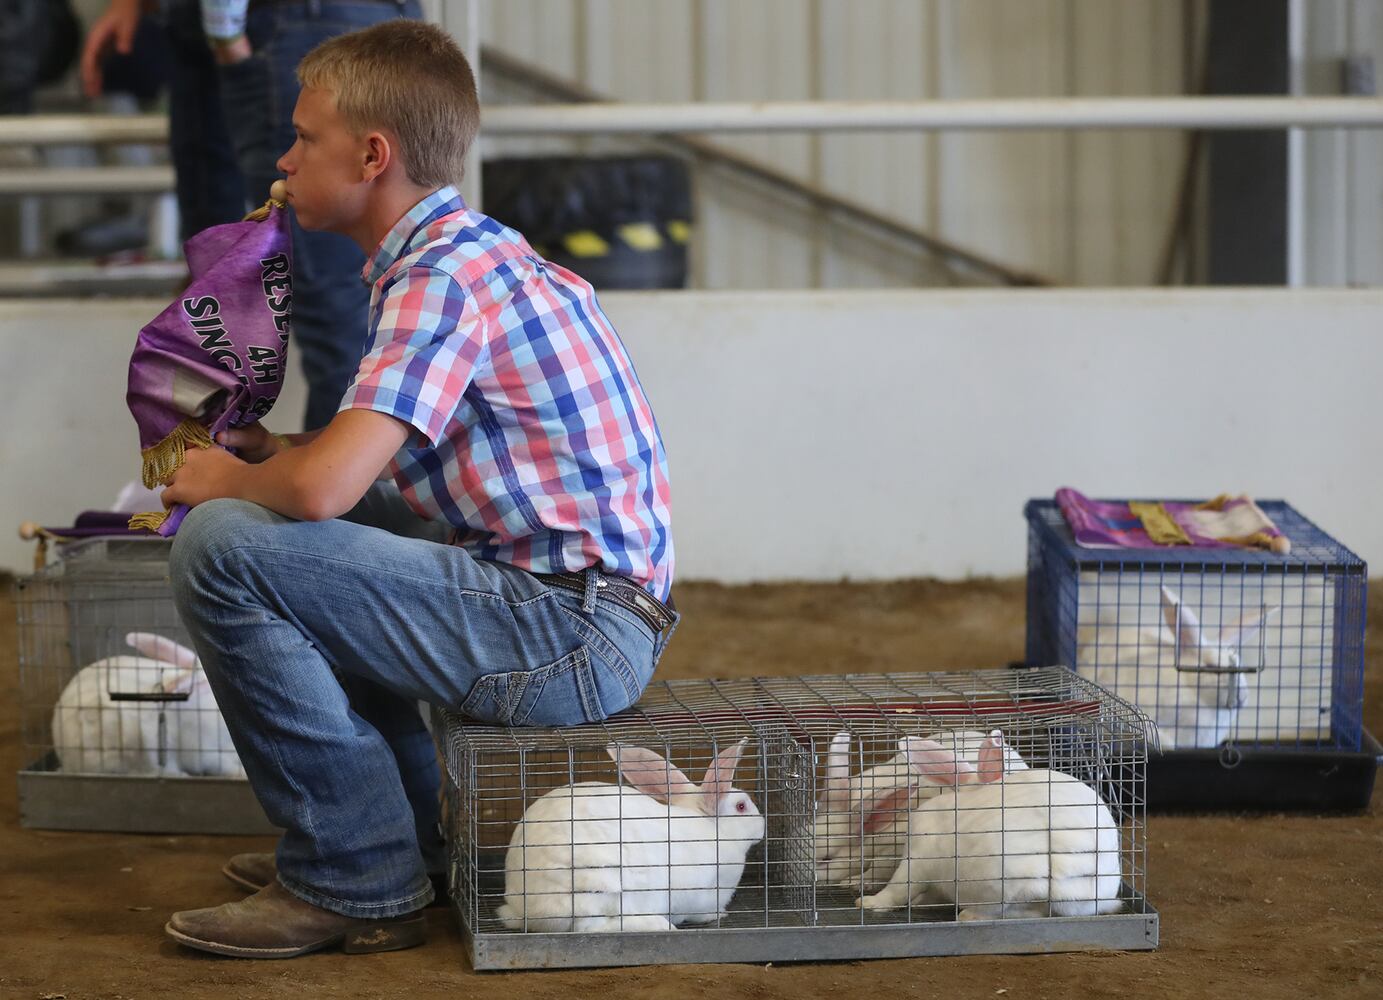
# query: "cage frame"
x,y
824,933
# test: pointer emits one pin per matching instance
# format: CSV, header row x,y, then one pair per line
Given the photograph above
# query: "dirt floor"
x,y
1264,906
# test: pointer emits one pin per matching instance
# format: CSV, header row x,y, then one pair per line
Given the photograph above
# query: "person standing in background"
x,y
232,91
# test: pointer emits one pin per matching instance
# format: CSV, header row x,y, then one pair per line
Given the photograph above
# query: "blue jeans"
x,y
209,188
319,638
330,302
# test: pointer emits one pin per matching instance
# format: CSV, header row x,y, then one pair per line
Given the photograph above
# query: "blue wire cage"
x,y
1292,678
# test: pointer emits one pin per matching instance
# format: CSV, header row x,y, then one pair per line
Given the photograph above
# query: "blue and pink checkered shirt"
x,y
535,439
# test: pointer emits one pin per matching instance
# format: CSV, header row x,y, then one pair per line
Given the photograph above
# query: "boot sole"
x,y
366,939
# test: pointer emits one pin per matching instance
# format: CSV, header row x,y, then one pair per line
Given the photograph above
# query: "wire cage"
x,y
119,728
742,820
1249,663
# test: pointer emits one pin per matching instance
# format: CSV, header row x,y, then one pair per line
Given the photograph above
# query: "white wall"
x,y
863,434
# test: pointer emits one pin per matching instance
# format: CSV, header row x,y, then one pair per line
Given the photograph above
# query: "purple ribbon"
x,y
215,357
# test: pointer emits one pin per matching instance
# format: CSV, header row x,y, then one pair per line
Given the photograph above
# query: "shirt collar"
x,y
443,201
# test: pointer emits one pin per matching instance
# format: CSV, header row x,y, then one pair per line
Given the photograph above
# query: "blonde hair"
x,y
411,78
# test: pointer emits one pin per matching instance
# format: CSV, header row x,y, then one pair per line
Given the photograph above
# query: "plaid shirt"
x,y
534,437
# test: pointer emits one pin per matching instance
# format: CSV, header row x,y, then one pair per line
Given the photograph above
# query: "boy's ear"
x,y
378,154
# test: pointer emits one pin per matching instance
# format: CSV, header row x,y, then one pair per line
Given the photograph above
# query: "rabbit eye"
x,y
740,806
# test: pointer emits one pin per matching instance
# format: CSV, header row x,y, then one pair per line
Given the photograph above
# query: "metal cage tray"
x,y
838,932
1272,779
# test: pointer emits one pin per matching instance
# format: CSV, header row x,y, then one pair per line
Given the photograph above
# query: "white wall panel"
x,y
763,50
1343,182
1123,185
1003,194
878,50
642,49
869,434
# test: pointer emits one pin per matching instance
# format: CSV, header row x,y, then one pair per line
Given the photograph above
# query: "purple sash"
x,y
1221,523
215,357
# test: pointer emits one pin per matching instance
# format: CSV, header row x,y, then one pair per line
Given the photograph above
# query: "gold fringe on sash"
x,y
166,457
151,521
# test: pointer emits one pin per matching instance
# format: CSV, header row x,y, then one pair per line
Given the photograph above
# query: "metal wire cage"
x,y
557,859
116,719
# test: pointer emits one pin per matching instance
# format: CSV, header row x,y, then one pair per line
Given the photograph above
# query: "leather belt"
x,y
620,589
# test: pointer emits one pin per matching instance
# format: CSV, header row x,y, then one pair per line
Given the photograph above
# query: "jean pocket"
x,y
560,694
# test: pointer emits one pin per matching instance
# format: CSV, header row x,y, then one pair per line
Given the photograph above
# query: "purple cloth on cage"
x,y
217,354
1111,524
94,523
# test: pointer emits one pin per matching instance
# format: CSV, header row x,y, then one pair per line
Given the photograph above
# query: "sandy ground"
x,y
1264,906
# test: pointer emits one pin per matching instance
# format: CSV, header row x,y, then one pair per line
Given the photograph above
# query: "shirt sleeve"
x,y
224,18
425,340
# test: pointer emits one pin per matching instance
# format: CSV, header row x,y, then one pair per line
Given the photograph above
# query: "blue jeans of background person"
x,y
330,302
296,620
209,189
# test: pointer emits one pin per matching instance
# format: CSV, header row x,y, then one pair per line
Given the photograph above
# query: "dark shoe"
x,y
253,872
274,923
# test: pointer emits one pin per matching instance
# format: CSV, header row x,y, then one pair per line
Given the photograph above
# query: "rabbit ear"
x,y
648,772
157,647
1183,623
837,787
992,757
721,774
934,761
884,810
1246,627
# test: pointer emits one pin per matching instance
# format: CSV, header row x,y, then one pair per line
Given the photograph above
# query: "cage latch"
x,y
162,739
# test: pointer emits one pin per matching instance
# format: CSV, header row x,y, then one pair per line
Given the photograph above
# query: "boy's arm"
x,y
314,481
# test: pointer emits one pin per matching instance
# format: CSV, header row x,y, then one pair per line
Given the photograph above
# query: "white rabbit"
x,y
1037,842
92,732
1188,684
861,823
600,857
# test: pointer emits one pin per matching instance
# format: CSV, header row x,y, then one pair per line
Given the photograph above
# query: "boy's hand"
x,y
206,474
253,443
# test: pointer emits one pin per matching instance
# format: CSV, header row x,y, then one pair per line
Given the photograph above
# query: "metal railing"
x,y
627,118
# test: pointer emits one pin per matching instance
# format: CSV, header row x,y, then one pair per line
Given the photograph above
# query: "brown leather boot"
x,y
274,923
254,871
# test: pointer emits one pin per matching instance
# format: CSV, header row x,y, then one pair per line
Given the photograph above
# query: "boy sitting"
x,y
515,569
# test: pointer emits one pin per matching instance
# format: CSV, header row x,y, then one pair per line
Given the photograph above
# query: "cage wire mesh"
x,y
1220,647
832,797
107,681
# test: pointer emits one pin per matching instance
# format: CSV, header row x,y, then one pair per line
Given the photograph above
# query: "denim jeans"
x,y
330,302
319,638
209,188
